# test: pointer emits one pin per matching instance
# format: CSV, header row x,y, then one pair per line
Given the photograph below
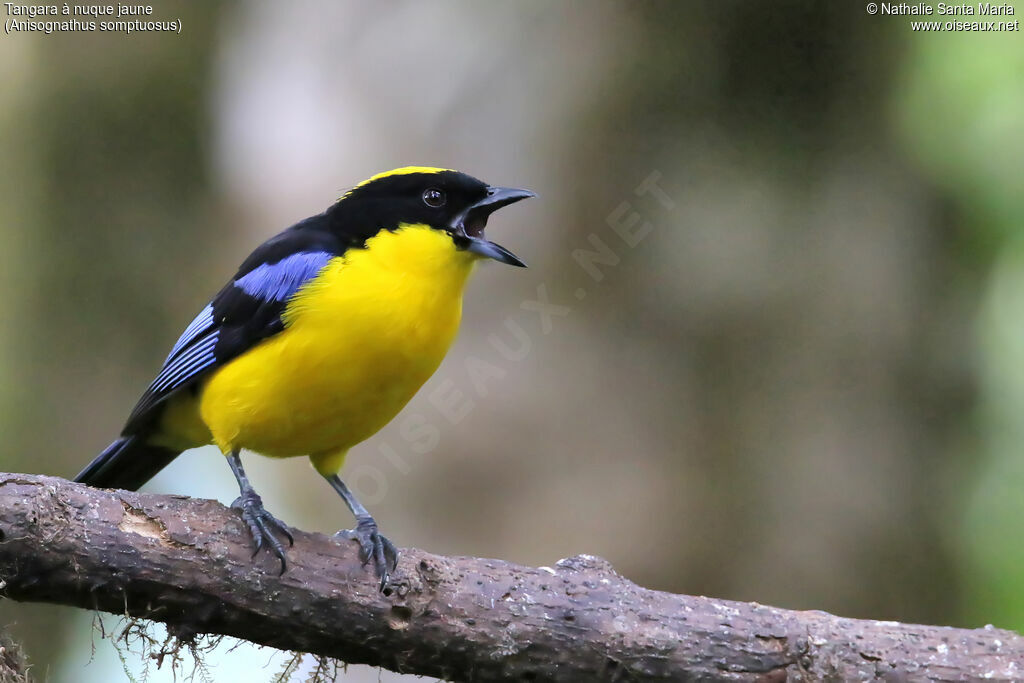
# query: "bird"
x,y
322,336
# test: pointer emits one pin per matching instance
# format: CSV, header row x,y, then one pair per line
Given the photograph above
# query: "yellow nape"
x,y
404,170
359,341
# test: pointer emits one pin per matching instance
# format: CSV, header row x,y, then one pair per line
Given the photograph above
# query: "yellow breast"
x,y
359,341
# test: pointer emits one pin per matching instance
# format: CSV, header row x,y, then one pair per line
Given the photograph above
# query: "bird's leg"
x,y
260,522
372,545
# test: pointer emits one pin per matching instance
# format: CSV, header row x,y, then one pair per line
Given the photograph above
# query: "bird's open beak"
x,y
469,226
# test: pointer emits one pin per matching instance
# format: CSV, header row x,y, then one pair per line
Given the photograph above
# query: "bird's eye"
x,y
434,197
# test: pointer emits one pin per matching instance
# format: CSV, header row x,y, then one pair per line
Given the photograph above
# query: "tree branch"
x,y
186,562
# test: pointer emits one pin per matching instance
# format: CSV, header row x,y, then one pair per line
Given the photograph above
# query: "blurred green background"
x,y
803,386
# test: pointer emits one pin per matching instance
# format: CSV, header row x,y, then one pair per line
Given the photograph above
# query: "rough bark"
x,y
186,562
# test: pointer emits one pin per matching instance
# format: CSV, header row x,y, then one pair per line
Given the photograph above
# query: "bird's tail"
x,y
128,463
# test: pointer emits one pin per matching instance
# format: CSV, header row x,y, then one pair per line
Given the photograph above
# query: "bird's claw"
x,y
373,546
262,524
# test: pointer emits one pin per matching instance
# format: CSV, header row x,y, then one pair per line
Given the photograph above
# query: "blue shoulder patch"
x,y
279,281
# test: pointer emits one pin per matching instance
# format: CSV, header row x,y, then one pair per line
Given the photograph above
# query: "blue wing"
x,y
245,312
200,325
279,281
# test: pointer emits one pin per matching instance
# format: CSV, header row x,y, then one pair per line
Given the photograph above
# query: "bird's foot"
x,y
373,546
262,524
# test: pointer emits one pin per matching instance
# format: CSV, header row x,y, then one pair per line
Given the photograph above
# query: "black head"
x,y
447,200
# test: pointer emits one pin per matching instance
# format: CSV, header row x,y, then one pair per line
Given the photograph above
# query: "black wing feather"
x,y
245,312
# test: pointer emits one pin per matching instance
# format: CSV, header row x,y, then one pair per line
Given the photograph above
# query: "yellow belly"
x,y
359,341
